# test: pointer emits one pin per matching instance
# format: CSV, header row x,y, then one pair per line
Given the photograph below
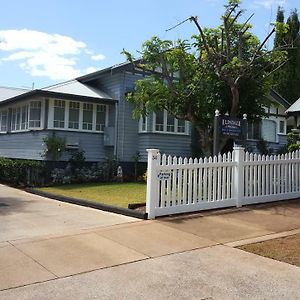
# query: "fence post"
x,y
152,187
238,175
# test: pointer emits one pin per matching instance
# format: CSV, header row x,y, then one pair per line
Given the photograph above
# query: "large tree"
x,y
287,80
225,68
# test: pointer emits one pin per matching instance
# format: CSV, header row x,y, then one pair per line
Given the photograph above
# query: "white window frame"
x,y
141,129
3,112
20,106
66,124
164,131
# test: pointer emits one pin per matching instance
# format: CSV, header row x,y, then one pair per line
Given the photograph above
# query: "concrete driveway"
x,y
87,254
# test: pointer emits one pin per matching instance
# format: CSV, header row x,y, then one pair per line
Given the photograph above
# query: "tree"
x,y
224,67
287,80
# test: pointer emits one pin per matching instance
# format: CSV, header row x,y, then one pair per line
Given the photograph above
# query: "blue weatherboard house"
x,y
92,114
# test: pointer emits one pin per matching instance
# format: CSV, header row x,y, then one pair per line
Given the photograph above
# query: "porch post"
x,y
152,183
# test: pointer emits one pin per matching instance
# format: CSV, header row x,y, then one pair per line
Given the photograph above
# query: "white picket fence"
x,y
176,185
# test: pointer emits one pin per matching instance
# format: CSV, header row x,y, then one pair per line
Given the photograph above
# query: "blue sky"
x,y
51,41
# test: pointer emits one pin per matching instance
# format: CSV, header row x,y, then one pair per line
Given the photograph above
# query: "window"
x,y
254,130
59,114
24,117
100,117
3,121
164,122
87,117
143,124
35,114
74,109
281,127
268,130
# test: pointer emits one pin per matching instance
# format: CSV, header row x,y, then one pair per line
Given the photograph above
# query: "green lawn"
x,y
116,194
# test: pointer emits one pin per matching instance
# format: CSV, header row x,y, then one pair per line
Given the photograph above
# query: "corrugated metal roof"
x,y
7,92
74,87
294,107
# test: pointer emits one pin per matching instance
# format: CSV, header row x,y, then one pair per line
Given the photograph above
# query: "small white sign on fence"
x,y
164,175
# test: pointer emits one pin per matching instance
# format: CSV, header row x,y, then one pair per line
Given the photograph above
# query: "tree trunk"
x,y
235,100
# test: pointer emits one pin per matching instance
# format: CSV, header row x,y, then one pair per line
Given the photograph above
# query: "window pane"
x,y
35,114
100,117
170,123
181,126
74,115
59,114
159,123
143,123
18,118
3,121
24,117
13,119
87,121
254,130
281,127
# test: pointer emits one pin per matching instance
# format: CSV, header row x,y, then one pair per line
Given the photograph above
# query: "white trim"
x,y
165,119
66,121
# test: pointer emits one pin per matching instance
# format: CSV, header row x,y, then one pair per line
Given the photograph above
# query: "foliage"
x,y
77,159
262,147
136,158
55,146
20,172
287,80
104,172
293,147
224,68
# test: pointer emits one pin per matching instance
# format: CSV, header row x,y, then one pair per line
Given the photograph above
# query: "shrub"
x,y
293,147
21,172
55,146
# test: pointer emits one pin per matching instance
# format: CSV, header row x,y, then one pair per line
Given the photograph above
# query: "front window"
x,y
3,121
165,122
87,117
282,127
24,117
35,114
269,130
100,117
254,130
59,114
74,108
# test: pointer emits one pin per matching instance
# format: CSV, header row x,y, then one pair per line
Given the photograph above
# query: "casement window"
x,y
254,130
25,116
77,116
282,127
100,117
166,123
59,114
74,110
35,114
3,121
87,116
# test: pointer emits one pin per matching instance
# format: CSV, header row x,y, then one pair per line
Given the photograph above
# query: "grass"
x,y
283,249
116,194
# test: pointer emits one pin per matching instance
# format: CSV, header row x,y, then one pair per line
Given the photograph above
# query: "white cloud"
x,y
98,57
90,70
42,54
269,3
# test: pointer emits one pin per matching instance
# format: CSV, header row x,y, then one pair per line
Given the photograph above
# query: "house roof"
x,y
8,92
279,99
295,107
72,89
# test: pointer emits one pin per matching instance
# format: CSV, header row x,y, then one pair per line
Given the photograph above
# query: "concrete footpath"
x,y
106,256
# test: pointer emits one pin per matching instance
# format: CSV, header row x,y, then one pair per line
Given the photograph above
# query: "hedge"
x,y
20,172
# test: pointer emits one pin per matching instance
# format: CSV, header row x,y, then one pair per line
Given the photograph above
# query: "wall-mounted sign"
x,y
231,127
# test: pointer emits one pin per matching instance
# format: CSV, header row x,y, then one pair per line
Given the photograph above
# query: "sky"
x,y
46,42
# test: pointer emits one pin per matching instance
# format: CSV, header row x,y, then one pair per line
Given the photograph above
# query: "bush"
x,y
293,147
21,172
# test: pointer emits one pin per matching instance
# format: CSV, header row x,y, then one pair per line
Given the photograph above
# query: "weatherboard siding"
x,y
170,144
30,145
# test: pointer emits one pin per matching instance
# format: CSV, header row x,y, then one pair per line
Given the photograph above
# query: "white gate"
x,y
176,185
